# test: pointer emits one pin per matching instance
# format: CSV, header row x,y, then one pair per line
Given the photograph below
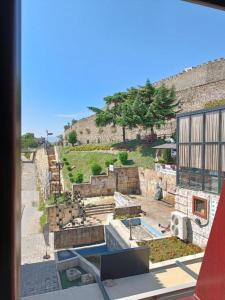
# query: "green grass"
x,y
43,219
140,154
169,248
66,283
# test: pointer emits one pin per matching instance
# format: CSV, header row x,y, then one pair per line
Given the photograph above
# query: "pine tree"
x,y
164,105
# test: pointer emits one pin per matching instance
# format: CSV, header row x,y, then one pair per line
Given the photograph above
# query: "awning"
x,y
166,146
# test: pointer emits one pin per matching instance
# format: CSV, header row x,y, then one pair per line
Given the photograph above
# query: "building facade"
x,y
200,169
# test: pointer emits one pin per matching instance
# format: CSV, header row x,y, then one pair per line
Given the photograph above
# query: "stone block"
x,y
73,274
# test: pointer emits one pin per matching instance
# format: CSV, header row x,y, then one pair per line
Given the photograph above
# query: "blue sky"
x,y
75,52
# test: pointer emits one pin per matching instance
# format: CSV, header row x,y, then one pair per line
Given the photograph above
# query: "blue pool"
x,y
95,250
138,222
65,254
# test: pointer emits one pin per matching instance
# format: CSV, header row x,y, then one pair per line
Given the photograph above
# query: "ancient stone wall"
x,y
194,88
196,234
123,179
42,169
61,214
149,178
79,237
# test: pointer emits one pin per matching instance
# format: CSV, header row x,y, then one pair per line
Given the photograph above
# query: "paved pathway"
x,y
38,276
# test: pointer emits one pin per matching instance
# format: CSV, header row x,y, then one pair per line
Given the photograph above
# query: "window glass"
x,y
184,155
184,124
196,156
196,182
184,180
211,184
211,157
196,128
199,207
212,127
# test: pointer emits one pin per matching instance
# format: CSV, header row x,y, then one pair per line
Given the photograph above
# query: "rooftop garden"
x,y
169,248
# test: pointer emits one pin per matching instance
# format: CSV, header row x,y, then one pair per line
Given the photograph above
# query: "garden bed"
x,y
169,248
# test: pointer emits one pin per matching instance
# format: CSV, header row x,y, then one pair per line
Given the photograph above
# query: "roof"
x,y
166,146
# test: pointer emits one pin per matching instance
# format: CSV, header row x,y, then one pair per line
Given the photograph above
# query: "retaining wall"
x,y
123,179
79,237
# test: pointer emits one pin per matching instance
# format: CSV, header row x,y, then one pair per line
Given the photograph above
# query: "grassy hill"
x,y
80,158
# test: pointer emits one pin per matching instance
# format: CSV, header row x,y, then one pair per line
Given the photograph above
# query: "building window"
x,y
199,207
201,150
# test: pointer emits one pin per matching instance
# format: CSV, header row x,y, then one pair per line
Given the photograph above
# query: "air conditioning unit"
x,y
179,225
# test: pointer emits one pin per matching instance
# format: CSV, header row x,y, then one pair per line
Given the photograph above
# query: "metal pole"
x,y
130,230
59,181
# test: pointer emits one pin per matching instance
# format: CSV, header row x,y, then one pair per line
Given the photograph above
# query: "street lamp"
x,y
130,226
59,165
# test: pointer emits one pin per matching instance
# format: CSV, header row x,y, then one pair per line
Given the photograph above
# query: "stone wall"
x,y
42,171
77,237
149,178
62,213
193,89
127,210
196,234
123,179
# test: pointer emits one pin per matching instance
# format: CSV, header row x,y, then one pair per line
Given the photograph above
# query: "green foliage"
x,y
64,159
73,122
123,156
166,157
146,106
43,220
67,126
169,248
96,169
27,155
91,147
79,177
110,162
28,140
72,138
67,163
69,168
215,103
70,174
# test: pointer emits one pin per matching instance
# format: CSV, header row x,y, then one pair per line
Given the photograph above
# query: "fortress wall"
x,y
193,89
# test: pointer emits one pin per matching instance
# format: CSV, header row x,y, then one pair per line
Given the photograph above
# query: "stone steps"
x,y
100,209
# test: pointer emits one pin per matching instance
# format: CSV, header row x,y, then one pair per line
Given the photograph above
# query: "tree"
x,y
28,140
164,105
72,138
60,139
73,122
67,126
113,113
146,106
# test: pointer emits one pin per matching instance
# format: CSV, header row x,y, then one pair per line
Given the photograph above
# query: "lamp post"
x,y
130,226
59,165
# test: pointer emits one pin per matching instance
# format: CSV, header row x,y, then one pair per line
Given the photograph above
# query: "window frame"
x,y
195,212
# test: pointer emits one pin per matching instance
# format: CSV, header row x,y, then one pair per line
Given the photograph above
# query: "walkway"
x,y
38,276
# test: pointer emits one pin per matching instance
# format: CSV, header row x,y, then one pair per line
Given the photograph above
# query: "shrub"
x,y
70,174
72,138
72,180
166,157
215,103
110,162
69,168
123,156
91,147
79,177
64,159
96,169
67,163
